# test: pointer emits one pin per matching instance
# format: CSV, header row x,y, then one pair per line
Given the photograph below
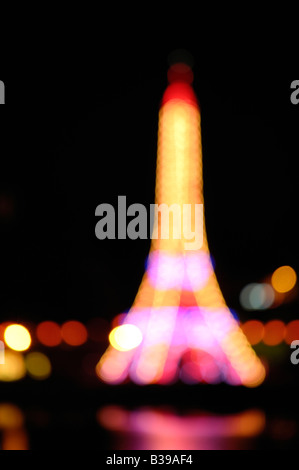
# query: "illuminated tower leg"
x,y
184,324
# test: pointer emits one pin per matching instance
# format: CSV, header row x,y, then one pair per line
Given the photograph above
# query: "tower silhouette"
x,y
179,326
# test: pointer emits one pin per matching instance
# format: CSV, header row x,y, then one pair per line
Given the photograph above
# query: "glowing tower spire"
x,y
179,325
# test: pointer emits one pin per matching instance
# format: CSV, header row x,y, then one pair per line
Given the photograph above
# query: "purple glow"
x,y
173,271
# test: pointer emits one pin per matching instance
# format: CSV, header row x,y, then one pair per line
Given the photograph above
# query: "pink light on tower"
x,y
182,327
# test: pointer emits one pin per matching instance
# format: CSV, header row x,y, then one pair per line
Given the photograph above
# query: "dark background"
x,y
79,129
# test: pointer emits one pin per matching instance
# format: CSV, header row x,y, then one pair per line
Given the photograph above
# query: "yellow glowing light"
x,y
17,337
125,337
284,279
38,365
13,368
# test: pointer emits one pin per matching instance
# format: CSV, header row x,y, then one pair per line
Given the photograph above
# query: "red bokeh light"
x,y
49,333
74,333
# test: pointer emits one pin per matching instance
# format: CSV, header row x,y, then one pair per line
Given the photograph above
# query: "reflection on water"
x,y
73,427
161,429
13,434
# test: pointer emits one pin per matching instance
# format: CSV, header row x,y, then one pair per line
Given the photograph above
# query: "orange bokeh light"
x,y
275,331
49,333
74,333
292,332
284,279
254,331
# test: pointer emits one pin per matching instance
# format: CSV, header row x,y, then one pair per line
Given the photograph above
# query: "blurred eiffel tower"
x,y
179,326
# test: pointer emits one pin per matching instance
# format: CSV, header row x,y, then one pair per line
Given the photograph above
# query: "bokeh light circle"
x,y
17,337
125,337
38,365
274,334
284,279
257,296
254,331
49,333
292,332
14,367
74,333
11,416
